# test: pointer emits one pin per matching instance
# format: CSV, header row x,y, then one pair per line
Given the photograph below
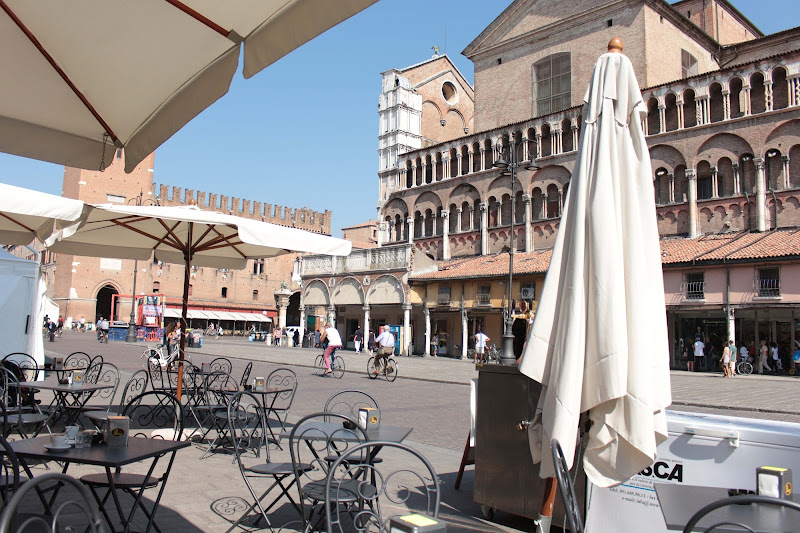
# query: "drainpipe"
x,y
728,318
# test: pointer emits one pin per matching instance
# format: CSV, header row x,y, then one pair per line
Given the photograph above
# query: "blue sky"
x,y
303,132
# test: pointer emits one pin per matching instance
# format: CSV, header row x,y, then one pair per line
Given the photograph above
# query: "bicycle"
x,y
490,353
744,367
337,365
155,358
103,336
388,368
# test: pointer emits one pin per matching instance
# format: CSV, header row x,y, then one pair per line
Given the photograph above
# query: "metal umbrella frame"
x,y
185,235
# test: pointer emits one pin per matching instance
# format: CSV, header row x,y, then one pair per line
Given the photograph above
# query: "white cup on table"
x,y
59,441
71,433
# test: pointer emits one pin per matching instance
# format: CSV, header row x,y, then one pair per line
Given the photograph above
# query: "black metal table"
x,y
383,433
108,457
67,399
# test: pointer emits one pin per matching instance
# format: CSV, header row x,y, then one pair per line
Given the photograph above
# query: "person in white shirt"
x,y
385,342
480,345
699,355
334,342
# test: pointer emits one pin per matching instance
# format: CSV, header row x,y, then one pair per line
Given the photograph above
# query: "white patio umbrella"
x,y
26,214
185,235
599,339
83,77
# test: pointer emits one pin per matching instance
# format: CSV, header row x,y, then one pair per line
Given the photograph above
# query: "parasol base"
x,y
543,524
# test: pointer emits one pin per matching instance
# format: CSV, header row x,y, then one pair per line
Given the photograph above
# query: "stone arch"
x,y
385,290
395,206
464,193
725,177
547,143
716,109
427,200
780,88
348,292
689,109
429,106
566,136
316,293
455,115
670,112
550,174
758,103
502,185
735,87
794,165
723,145
103,294
653,121
664,155
784,136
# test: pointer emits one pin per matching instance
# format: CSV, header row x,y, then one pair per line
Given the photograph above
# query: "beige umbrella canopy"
x,y
26,214
185,235
84,77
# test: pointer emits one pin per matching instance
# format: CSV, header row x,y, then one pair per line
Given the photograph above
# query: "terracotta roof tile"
x,y
732,246
490,266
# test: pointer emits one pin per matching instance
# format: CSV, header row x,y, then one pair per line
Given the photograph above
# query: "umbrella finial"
x,y
615,45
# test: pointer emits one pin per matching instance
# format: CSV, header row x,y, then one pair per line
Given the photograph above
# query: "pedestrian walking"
x,y
316,339
776,358
371,342
763,357
733,357
435,345
726,360
480,345
358,338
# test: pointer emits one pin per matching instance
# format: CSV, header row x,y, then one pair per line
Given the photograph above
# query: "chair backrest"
x,y
28,367
246,374
406,483
246,425
136,385
741,500
77,360
348,402
282,378
9,388
92,372
74,510
158,411
317,440
108,375
96,360
9,470
572,508
221,364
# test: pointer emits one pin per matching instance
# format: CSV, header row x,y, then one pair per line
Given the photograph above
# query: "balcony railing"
x,y
370,260
769,288
484,299
694,290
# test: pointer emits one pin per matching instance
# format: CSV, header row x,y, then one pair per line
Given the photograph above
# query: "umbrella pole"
x,y
187,259
548,502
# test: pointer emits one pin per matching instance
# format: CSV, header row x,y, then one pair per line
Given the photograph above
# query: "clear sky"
x,y
303,132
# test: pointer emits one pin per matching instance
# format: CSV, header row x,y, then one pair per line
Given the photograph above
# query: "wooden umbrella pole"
x,y
187,259
548,502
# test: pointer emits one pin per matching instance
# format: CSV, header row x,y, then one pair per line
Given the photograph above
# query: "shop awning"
x,y
217,315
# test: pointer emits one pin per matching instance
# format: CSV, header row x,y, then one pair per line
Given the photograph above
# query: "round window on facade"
x,y
449,93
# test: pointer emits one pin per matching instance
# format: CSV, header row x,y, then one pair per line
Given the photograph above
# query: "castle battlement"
x,y
303,218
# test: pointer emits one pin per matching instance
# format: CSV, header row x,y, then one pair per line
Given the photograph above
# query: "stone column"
x,y
484,230
410,230
768,97
671,194
737,186
525,154
282,301
538,145
406,330
714,183
787,182
747,104
732,325
662,119
726,105
366,324
458,219
332,315
427,313
679,107
483,158
692,177
471,221
526,219
302,323
761,195
445,235
464,333
459,165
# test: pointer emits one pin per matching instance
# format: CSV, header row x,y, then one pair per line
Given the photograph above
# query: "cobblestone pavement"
x,y
431,395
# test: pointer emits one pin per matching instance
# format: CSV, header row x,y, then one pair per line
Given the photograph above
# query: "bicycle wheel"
x,y
371,368
146,355
390,370
337,366
319,365
746,368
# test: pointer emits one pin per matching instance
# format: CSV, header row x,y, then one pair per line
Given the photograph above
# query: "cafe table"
x,y
109,458
68,400
316,430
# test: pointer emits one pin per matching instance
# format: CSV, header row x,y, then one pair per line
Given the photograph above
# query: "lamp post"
x,y
137,200
510,168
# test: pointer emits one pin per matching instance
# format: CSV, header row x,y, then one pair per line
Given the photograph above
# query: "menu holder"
x,y
117,431
259,385
205,368
77,379
58,363
369,418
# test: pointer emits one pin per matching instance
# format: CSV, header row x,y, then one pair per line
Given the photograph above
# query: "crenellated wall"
x,y
276,214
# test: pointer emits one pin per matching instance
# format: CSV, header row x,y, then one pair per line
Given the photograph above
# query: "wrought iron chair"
x,y
739,500
411,485
218,388
221,364
25,368
348,402
572,508
100,374
77,360
10,477
282,378
75,509
18,416
319,440
247,425
246,375
136,385
153,414
27,365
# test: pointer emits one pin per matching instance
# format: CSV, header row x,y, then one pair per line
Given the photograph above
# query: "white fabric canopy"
x,y
599,339
217,240
203,314
26,214
134,70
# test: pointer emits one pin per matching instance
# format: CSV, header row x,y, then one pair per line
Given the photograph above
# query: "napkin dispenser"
x,y
369,418
259,385
76,379
117,431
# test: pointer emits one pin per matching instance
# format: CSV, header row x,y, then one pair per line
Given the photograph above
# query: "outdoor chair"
x,y
77,360
282,378
221,364
319,440
27,365
136,385
17,416
406,484
73,510
348,402
25,368
156,415
217,389
10,477
246,376
247,425
572,508
103,374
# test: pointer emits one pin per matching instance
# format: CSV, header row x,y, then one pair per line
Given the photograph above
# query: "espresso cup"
x,y
59,441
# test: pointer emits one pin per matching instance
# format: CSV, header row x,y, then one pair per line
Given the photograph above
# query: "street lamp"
x,y
510,168
137,200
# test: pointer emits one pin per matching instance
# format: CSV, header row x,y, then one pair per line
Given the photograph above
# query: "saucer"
x,y
55,448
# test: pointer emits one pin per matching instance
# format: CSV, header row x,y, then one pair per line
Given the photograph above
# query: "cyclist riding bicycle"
x,y
172,335
385,343
334,342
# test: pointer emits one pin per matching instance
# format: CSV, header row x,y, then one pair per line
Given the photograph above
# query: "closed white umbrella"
x,y
26,214
599,339
185,235
83,77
